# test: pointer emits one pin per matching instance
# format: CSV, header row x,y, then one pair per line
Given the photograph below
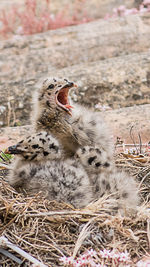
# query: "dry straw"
x,y
47,230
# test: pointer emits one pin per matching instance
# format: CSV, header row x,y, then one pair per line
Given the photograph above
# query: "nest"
x,y
49,230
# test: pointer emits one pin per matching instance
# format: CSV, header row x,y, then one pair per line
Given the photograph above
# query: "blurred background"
x,y
103,46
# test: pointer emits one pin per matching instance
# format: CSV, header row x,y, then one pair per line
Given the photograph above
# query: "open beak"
x,y
62,97
13,150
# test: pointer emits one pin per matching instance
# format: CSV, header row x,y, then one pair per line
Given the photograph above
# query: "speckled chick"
x,y
73,126
38,167
84,134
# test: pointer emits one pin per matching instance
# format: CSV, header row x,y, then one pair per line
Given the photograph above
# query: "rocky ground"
x,y
108,59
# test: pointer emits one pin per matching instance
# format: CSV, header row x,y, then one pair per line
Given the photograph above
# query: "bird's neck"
x,y
50,118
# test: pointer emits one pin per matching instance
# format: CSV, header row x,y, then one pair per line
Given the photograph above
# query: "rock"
x,y
28,57
120,121
124,120
77,52
118,82
95,8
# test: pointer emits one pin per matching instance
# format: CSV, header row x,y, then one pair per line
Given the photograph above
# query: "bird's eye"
x,y
51,86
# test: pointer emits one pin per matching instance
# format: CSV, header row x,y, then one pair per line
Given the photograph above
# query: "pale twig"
x,y
10,255
121,145
6,243
82,236
54,213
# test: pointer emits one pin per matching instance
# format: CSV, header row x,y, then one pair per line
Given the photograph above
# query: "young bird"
x,y
38,167
73,126
83,134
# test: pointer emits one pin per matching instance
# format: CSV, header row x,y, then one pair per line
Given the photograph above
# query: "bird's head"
x,y
21,149
54,94
36,147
